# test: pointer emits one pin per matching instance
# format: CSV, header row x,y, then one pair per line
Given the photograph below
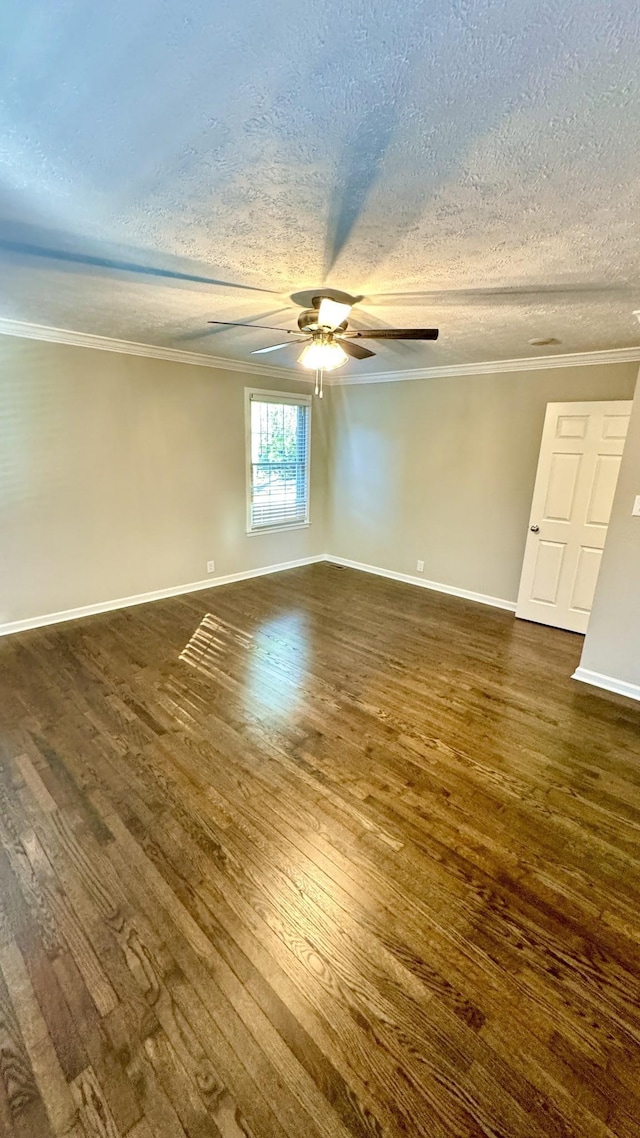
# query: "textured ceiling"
x,y
473,164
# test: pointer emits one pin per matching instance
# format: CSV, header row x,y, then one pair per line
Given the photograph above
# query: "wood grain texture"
x,y
310,856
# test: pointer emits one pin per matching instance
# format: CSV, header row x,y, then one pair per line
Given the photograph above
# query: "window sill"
x,y
277,529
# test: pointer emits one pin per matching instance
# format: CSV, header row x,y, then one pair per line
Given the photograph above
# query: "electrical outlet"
x,y
420,567
211,566
636,507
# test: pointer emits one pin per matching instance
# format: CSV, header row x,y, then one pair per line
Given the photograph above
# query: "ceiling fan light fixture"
x,y
331,314
323,354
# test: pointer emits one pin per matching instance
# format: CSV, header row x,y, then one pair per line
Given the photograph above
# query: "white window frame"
x,y
295,400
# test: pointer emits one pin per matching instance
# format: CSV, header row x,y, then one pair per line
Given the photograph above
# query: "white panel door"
x,y
580,455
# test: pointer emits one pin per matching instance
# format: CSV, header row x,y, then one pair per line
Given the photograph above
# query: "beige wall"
x,y
442,470
612,643
121,475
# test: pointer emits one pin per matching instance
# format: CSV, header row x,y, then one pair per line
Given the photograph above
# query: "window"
x,y
278,430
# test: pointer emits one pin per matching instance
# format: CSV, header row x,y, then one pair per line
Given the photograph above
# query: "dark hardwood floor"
x,y
316,854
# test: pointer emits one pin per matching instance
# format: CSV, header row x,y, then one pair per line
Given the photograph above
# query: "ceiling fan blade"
x,y
275,347
355,350
331,314
395,334
269,327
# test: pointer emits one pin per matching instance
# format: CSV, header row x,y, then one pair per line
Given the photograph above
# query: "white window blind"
x,y
279,460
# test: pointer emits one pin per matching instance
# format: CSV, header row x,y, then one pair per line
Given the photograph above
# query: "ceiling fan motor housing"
x,y
308,322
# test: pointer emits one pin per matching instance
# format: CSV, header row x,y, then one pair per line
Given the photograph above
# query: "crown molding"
x,y
494,367
29,331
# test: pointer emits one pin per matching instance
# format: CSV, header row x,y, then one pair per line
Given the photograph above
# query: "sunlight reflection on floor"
x,y
276,665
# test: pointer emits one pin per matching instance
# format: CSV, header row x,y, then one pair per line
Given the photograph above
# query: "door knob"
x,y
534,529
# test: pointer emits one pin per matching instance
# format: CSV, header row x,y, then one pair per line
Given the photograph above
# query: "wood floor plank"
x,y
110,1071
69,926
22,1110
49,1075
93,1109
159,1113
310,856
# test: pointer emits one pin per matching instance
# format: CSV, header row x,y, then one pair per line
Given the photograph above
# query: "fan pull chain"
x,y
317,390
321,379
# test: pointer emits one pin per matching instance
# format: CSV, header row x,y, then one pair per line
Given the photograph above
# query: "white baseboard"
x,y
436,586
609,683
157,595
212,582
